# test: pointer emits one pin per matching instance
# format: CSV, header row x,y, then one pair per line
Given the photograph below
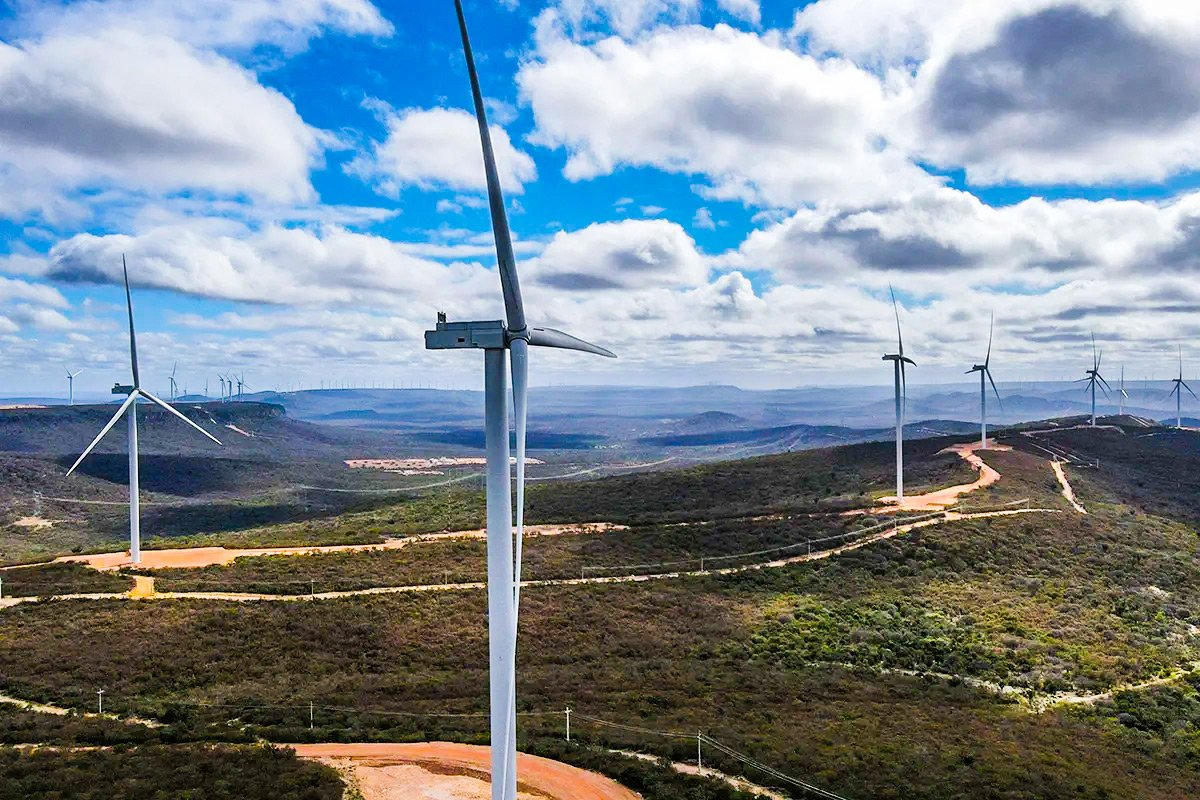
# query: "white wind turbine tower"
x,y
71,386
173,385
221,378
1094,378
1177,391
496,339
129,408
1122,395
985,371
899,361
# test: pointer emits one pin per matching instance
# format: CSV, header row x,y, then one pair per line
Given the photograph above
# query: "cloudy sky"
x,y
718,190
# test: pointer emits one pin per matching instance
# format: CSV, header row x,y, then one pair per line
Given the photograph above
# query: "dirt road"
x,y
447,771
1067,491
192,557
944,498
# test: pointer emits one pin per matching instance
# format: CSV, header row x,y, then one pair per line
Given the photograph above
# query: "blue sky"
x,y
717,189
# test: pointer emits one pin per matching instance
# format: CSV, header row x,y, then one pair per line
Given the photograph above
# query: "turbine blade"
x,y
999,400
549,337
1095,354
519,350
1193,394
177,413
132,337
506,262
908,360
103,431
1103,382
896,310
991,330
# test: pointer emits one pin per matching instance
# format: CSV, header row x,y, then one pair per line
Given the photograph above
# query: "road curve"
x,y
537,777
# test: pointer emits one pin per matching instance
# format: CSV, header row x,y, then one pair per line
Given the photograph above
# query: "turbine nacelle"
x,y
495,335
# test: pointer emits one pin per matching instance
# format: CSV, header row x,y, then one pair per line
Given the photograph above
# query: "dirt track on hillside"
x,y
447,771
941,499
191,557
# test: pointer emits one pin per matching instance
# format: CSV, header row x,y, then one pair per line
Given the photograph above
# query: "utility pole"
x,y
1,588
310,715
568,723
100,701
312,589
699,755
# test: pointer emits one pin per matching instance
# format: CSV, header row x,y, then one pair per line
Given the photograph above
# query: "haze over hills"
x,y
588,409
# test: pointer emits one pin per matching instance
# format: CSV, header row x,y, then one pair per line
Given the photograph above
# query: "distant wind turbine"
x,y
129,407
1094,378
1177,391
899,360
1122,395
496,339
71,386
173,385
221,378
985,371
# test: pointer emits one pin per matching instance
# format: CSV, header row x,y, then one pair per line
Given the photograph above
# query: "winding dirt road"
x,y
448,771
192,557
1067,492
944,498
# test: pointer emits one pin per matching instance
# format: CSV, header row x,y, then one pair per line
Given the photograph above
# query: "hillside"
x,y
848,667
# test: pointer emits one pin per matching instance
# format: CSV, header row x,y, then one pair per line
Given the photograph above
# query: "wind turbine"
x,y
129,408
985,371
497,338
221,378
174,386
71,386
899,360
1122,395
1094,378
1177,391
241,384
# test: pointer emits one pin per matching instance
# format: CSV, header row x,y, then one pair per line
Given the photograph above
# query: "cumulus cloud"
x,y
762,123
1029,91
748,10
439,148
625,17
951,235
274,265
95,110
633,254
286,24
1121,102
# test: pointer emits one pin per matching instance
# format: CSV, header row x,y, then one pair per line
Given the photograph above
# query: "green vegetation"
x,y
809,480
213,772
1156,471
52,579
802,666
18,726
638,550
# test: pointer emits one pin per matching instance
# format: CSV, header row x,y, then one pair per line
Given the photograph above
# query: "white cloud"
x,y
1121,103
742,9
274,265
287,24
703,219
1030,91
763,123
633,254
106,109
439,148
625,17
